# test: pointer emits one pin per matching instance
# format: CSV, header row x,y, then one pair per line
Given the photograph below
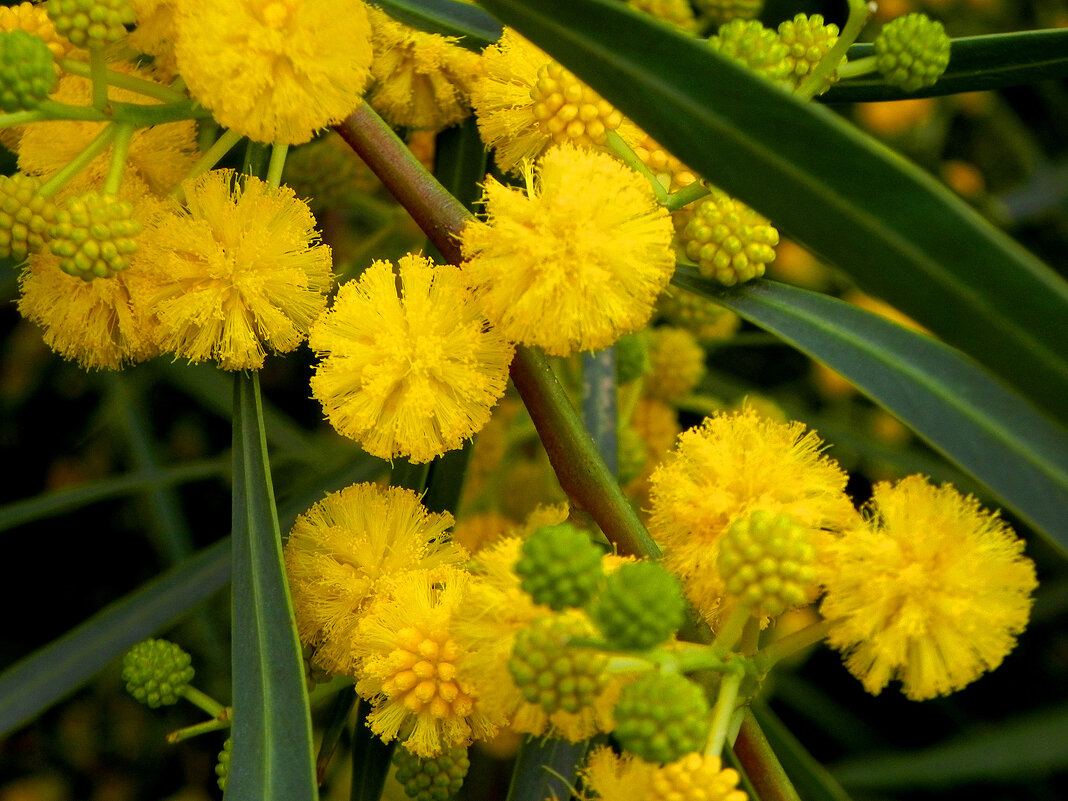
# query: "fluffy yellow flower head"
x,y
576,261
340,549
526,102
155,33
411,375
406,665
730,466
274,70
422,80
932,592
238,271
694,777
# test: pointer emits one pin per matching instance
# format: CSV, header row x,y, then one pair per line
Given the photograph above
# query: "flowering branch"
x,y
579,467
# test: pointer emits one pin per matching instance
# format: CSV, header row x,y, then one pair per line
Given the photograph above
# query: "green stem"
x,y
223,145
215,724
762,766
21,118
278,163
722,713
767,657
861,66
731,630
859,11
123,137
122,81
98,72
79,162
580,469
203,701
686,195
624,153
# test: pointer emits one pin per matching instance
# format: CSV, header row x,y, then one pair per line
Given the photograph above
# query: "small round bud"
x,y
751,44
632,357
435,778
661,717
93,235
695,777
222,766
567,110
156,672
912,51
727,240
559,566
767,561
701,316
640,606
677,12
27,71
719,12
678,363
632,453
24,216
91,23
552,674
807,41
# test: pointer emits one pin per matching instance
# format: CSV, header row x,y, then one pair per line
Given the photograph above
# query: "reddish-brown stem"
x,y
762,766
579,467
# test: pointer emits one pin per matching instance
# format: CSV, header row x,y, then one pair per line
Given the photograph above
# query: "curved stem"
x,y
722,713
686,195
79,162
624,153
203,701
766,658
122,81
21,118
859,11
223,145
854,69
277,164
123,137
215,724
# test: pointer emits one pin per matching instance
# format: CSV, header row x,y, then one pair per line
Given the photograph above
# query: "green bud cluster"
x,y
24,216
719,12
552,674
677,12
661,717
559,566
701,316
632,357
91,23
808,39
727,240
27,71
222,766
640,606
767,562
435,779
93,235
912,51
751,44
156,672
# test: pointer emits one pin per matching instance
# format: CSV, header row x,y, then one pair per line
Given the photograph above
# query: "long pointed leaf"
x,y
899,232
962,411
272,757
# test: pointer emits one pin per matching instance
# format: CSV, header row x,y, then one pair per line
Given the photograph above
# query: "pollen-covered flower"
x,y
577,261
526,102
340,549
931,592
421,80
406,659
155,32
274,70
413,374
626,777
238,271
725,469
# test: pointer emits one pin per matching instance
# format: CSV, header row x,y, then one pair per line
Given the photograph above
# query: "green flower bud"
x,y
912,51
640,606
661,717
552,674
156,672
768,562
751,44
719,12
807,41
559,566
27,71
727,240
24,216
91,23
632,357
93,235
435,779
222,766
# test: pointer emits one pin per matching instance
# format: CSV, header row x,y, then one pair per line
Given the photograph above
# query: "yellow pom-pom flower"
x,y
625,777
931,592
239,271
526,102
577,261
274,70
341,548
413,374
728,467
421,80
406,659
155,32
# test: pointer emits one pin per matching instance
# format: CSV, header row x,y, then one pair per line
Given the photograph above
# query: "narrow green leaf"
x,y
272,757
475,27
1031,745
812,781
963,412
898,231
48,675
544,768
976,64
370,759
